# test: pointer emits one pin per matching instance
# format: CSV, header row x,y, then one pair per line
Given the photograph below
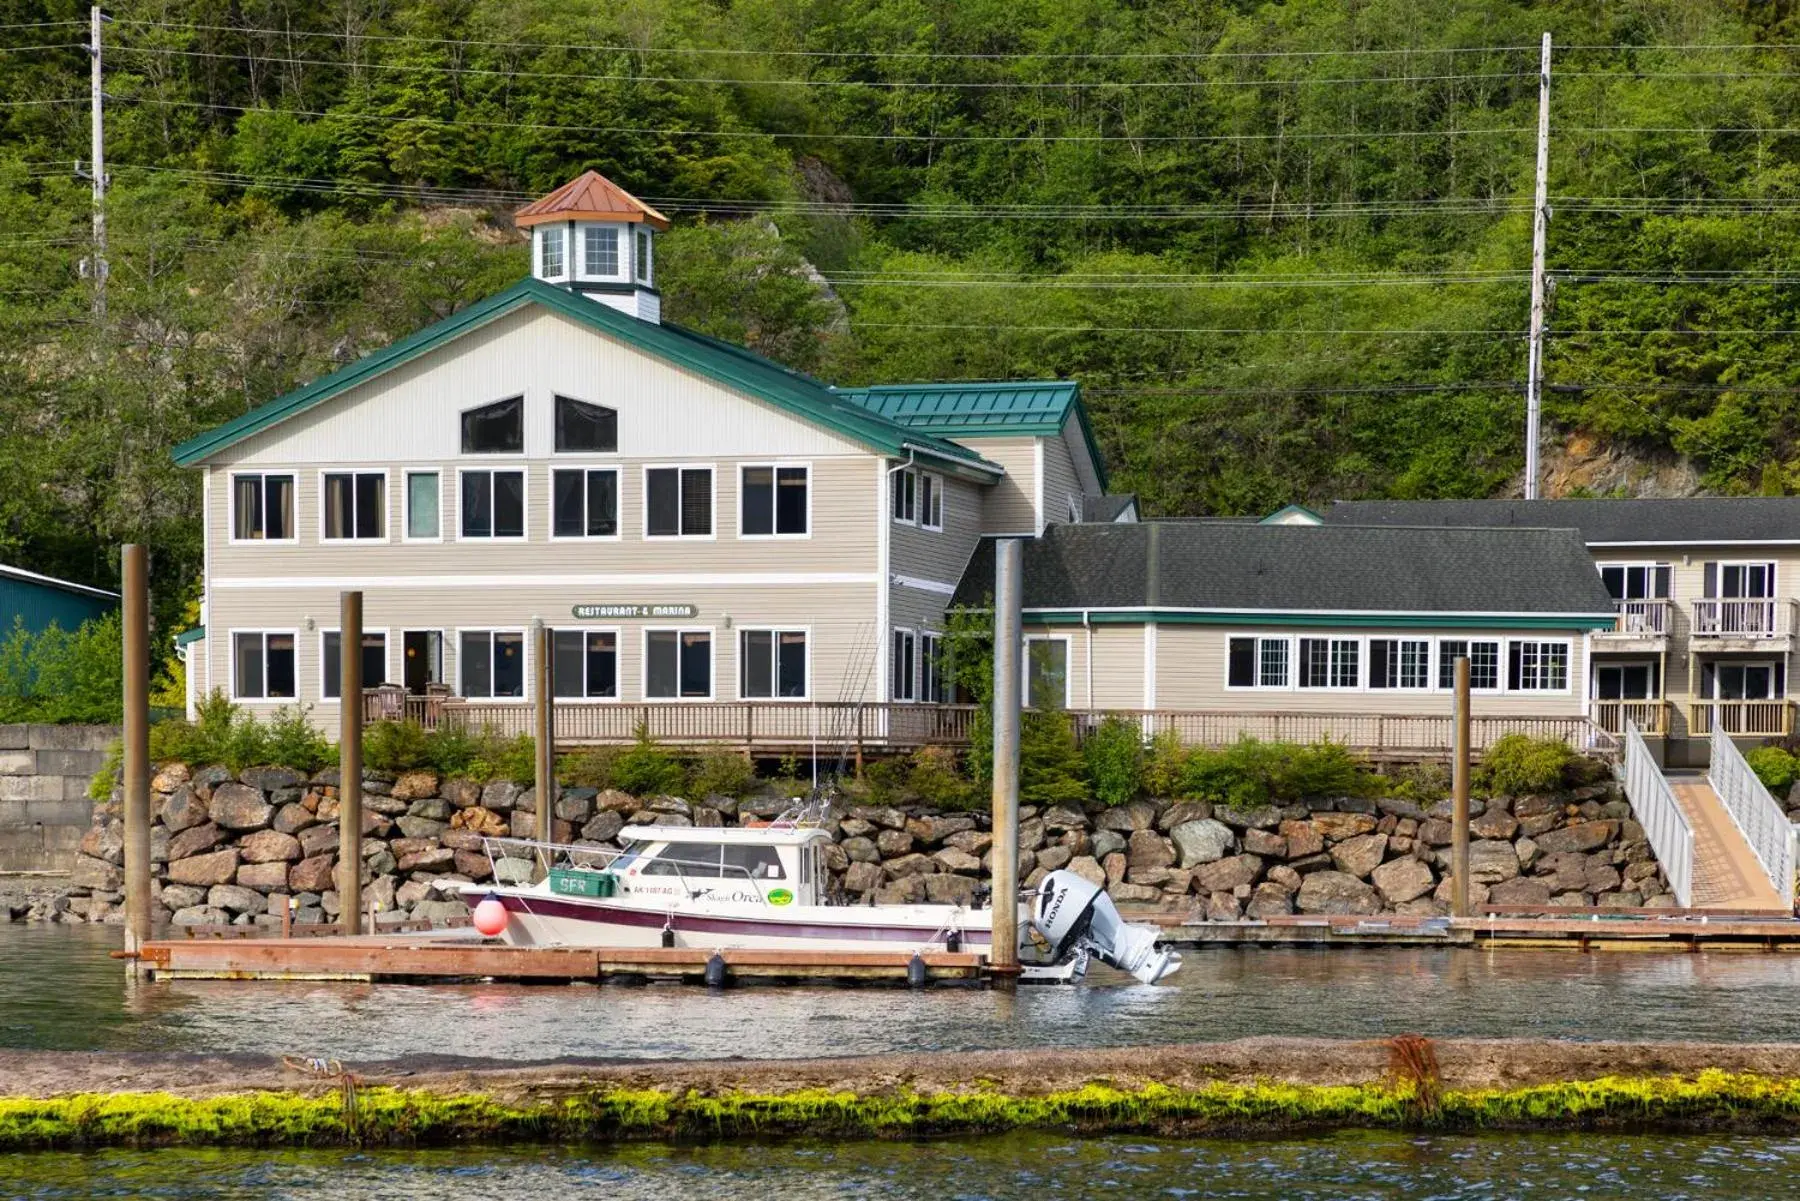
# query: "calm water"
x,y
58,990
1035,1167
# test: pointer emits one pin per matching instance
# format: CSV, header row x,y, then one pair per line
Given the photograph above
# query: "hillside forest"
x,y
1283,246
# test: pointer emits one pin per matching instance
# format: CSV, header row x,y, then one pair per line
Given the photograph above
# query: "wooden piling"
x,y
1008,682
135,774
1459,792
544,732
350,761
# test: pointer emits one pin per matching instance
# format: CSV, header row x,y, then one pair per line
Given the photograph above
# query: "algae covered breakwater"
x,y
1252,1087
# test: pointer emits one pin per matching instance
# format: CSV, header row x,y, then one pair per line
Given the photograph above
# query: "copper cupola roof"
x,y
589,197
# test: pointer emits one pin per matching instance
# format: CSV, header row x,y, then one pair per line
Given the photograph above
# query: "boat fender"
x,y
953,944
668,935
715,971
916,973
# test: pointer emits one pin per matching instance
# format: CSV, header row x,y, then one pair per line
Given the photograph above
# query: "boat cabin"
x,y
774,866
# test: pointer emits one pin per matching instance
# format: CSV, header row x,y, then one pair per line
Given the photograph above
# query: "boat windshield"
x,y
732,862
626,859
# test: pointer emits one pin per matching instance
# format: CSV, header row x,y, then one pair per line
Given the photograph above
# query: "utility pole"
x,y
1540,220
136,766
1003,950
97,106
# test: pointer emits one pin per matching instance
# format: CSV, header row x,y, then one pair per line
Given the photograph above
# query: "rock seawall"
x,y
233,847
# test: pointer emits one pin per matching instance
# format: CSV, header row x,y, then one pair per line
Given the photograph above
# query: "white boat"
x,y
764,886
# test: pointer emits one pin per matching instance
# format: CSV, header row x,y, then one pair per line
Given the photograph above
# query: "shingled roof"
x,y
590,196
1229,569
1601,522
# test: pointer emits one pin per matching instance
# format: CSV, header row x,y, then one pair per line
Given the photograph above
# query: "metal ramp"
x,y
1727,873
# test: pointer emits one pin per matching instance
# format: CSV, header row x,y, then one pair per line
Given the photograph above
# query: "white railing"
x,y
1750,617
1640,618
1653,804
1763,823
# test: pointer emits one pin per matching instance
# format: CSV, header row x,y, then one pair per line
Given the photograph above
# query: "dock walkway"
x,y
1727,873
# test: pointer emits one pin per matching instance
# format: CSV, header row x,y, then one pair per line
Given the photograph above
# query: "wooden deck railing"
x,y
1741,718
1639,619
775,726
1650,717
1764,617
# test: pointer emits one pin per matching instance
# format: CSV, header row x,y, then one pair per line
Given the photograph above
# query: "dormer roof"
x,y
590,196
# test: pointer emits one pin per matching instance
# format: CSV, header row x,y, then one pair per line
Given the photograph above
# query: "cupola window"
x,y
496,429
551,248
600,249
643,254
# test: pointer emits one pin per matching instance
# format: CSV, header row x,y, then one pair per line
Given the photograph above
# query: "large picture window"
x,y
1484,663
1047,673
678,664
492,663
773,502
354,505
331,662
772,664
585,504
262,508
493,504
1537,666
496,429
1257,662
678,502
582,428
262,665
585,664
1330,663
1400,663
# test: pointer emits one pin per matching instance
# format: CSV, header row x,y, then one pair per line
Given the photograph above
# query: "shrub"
x,y
1114,757
723,773
1775,767
1051,771
1164,764
1236,776
1517,765
1324,769
1427,782
1249,773
396,746
291,740
593,767
55,675
884,782
224,734
647,770
933,777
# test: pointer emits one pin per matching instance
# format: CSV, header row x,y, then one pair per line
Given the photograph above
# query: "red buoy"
x,y
490,916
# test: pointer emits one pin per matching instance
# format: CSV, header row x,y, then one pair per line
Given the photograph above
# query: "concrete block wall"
x,y
44,805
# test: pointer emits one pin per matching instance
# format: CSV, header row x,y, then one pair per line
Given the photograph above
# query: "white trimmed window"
x,y
584,503
1330,663
492,663
600,250
903,503
493,504
931,501
551,249
903,666
678,502
772,665
585,665
931,669
1253,662
678,665
353,506
331,662
262,665
1484,663
1400,663
1047,673
643,255
1537,666
424,506
262,508
774,502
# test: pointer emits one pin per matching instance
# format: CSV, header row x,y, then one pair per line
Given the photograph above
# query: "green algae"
x,y
398,1117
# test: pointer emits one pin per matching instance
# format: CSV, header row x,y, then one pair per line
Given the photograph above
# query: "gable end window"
x,y
773,502
496,429
262,665
600,250
678,502
583,428
353,506
493,504
262,508
904,501
585,504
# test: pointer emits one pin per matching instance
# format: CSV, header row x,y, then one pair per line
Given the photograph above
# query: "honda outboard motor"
x,y
1075,915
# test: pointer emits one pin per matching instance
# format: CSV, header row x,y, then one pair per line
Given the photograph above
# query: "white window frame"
x,y
1594,670
525,697
912,680
406,475
1437,664
387,504
561,230
1568,685
712,675
1368,667
620,257
930,670
1256,662
231,524
483,539
1068,641
935,482
1646,565
445,651
231,665
1720,565
618,665
1775,671
776,631
1362,662
643,255
774,466
912,474
644,492
387,654
618,500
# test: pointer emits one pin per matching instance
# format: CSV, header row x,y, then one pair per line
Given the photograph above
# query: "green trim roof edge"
x,y
189,637
731,365
1324,621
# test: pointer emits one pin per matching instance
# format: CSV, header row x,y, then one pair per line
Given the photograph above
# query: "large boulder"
x,y
314,874
1582,836
1523,892
269,846
414,785
1128,818
239,807
1147,848
893,843
435,859
1302,839
1063,817
1183,811
1222,907
199,915
1335,892
948,889
293,817
884,817
1495,823
909,865
105,841
1400,880
1227,874
952,860
602,827
1203,840
1360,855
1053,858
501,795
170,776
1269,900
1335,827
1261,817
1134,894
1104,843
194,840
1089,869
862,877
1490,861
97,874
315,840
182,809
933,830
234,898
861,850
217,867
1266,844
266,877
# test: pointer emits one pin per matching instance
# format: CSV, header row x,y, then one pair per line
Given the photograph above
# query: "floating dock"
x,y
1667,930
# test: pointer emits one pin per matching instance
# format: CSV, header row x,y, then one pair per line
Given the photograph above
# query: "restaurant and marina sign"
x,y
591,612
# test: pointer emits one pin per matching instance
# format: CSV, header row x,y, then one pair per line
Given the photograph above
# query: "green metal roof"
x,y
984,409
732,366
189,637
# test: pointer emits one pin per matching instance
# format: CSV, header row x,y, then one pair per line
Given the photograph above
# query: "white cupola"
x,y
593,237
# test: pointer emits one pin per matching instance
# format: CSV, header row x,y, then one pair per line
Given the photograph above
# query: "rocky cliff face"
x,y
232,848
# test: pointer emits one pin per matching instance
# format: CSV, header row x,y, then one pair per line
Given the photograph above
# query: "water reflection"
x,y
59,990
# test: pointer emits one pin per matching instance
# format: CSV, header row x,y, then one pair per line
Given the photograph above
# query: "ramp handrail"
x,y
1665,825
1762,822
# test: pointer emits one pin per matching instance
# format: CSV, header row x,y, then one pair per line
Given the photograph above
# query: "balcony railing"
x,y
1650,717
1760,617
1767,719
1640,619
